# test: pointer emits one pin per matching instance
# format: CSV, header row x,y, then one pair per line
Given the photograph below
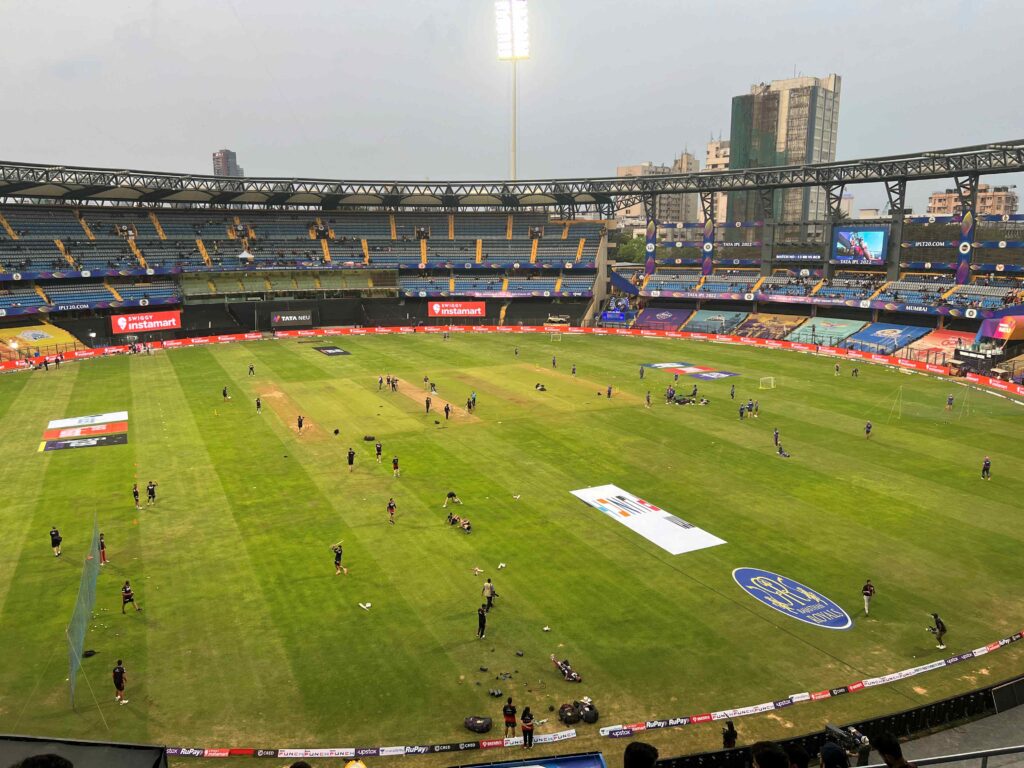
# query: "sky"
x,y
412,89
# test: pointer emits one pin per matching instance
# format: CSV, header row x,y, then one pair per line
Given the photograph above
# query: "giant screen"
x,y
860,244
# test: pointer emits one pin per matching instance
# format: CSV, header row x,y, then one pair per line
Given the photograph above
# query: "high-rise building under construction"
x,y
784,122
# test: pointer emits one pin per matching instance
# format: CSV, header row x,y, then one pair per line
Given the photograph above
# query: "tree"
x,y
631,249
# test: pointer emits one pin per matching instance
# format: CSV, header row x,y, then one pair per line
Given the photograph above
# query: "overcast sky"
x,y
412,89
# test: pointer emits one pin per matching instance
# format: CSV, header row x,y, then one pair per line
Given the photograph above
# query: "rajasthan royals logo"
x,y
792,598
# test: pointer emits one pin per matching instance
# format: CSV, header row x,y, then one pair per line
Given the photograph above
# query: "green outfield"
x,y
248,639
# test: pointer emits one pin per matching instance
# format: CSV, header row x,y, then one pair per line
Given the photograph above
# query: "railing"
x,y
964,757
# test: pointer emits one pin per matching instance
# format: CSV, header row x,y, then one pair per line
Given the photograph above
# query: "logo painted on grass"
x,y
792,598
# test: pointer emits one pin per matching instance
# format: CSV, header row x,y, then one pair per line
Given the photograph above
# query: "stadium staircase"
x,y
950,292
393,226
579,249
202,252
326,250
558,283
884,287
816,288
508,227
136,252
757,286
479,251
85,225
533,251
113,291
211,285
157,226
8,228
42,295
366,250
64,252
504,284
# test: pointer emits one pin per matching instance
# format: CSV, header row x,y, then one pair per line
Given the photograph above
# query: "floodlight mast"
x,y
512,25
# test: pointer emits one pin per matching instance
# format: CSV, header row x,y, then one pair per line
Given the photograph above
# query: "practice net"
x,y
767,382
82,614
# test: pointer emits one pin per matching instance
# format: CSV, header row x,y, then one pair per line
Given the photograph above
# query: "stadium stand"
x,y
937,346
842,286
883,338
712,321
766,326
662,318
828,331
673,280
788,285
730,281
915,291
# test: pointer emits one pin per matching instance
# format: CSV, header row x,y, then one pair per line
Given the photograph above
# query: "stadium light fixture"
x,y
512,25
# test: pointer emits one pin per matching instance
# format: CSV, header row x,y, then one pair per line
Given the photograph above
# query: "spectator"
x,y
729,735
639,754
798,757
834,756
768,754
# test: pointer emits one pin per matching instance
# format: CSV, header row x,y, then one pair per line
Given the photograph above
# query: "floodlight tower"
x,y
513,27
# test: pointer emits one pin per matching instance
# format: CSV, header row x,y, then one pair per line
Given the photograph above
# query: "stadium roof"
x,y
25,180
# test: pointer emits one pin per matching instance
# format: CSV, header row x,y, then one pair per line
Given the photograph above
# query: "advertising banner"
x,y
457,309
669,532
292,318
84,421
144,322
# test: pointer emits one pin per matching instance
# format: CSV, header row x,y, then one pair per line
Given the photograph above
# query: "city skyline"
x,y
155,85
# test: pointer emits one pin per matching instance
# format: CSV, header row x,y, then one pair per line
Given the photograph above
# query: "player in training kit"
x,y
481,622
447,411
392,508
351,459
516,352
609,392
867,430
252,369
574,369
259,405
732,392
837,369
224,393
453,498
427,403
380,383
55,541
949,402
378,447
508,712
120,678
743,410
150,493
775,436
647,399
395,471
135,495
939,630
554,362
103,551
489,593
127,596
868,591
641,373
300,421
338,567
986,469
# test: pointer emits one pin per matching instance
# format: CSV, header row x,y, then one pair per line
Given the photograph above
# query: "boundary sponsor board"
x,y
792,598
85,421
659,527
624,730
89,430
84,442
